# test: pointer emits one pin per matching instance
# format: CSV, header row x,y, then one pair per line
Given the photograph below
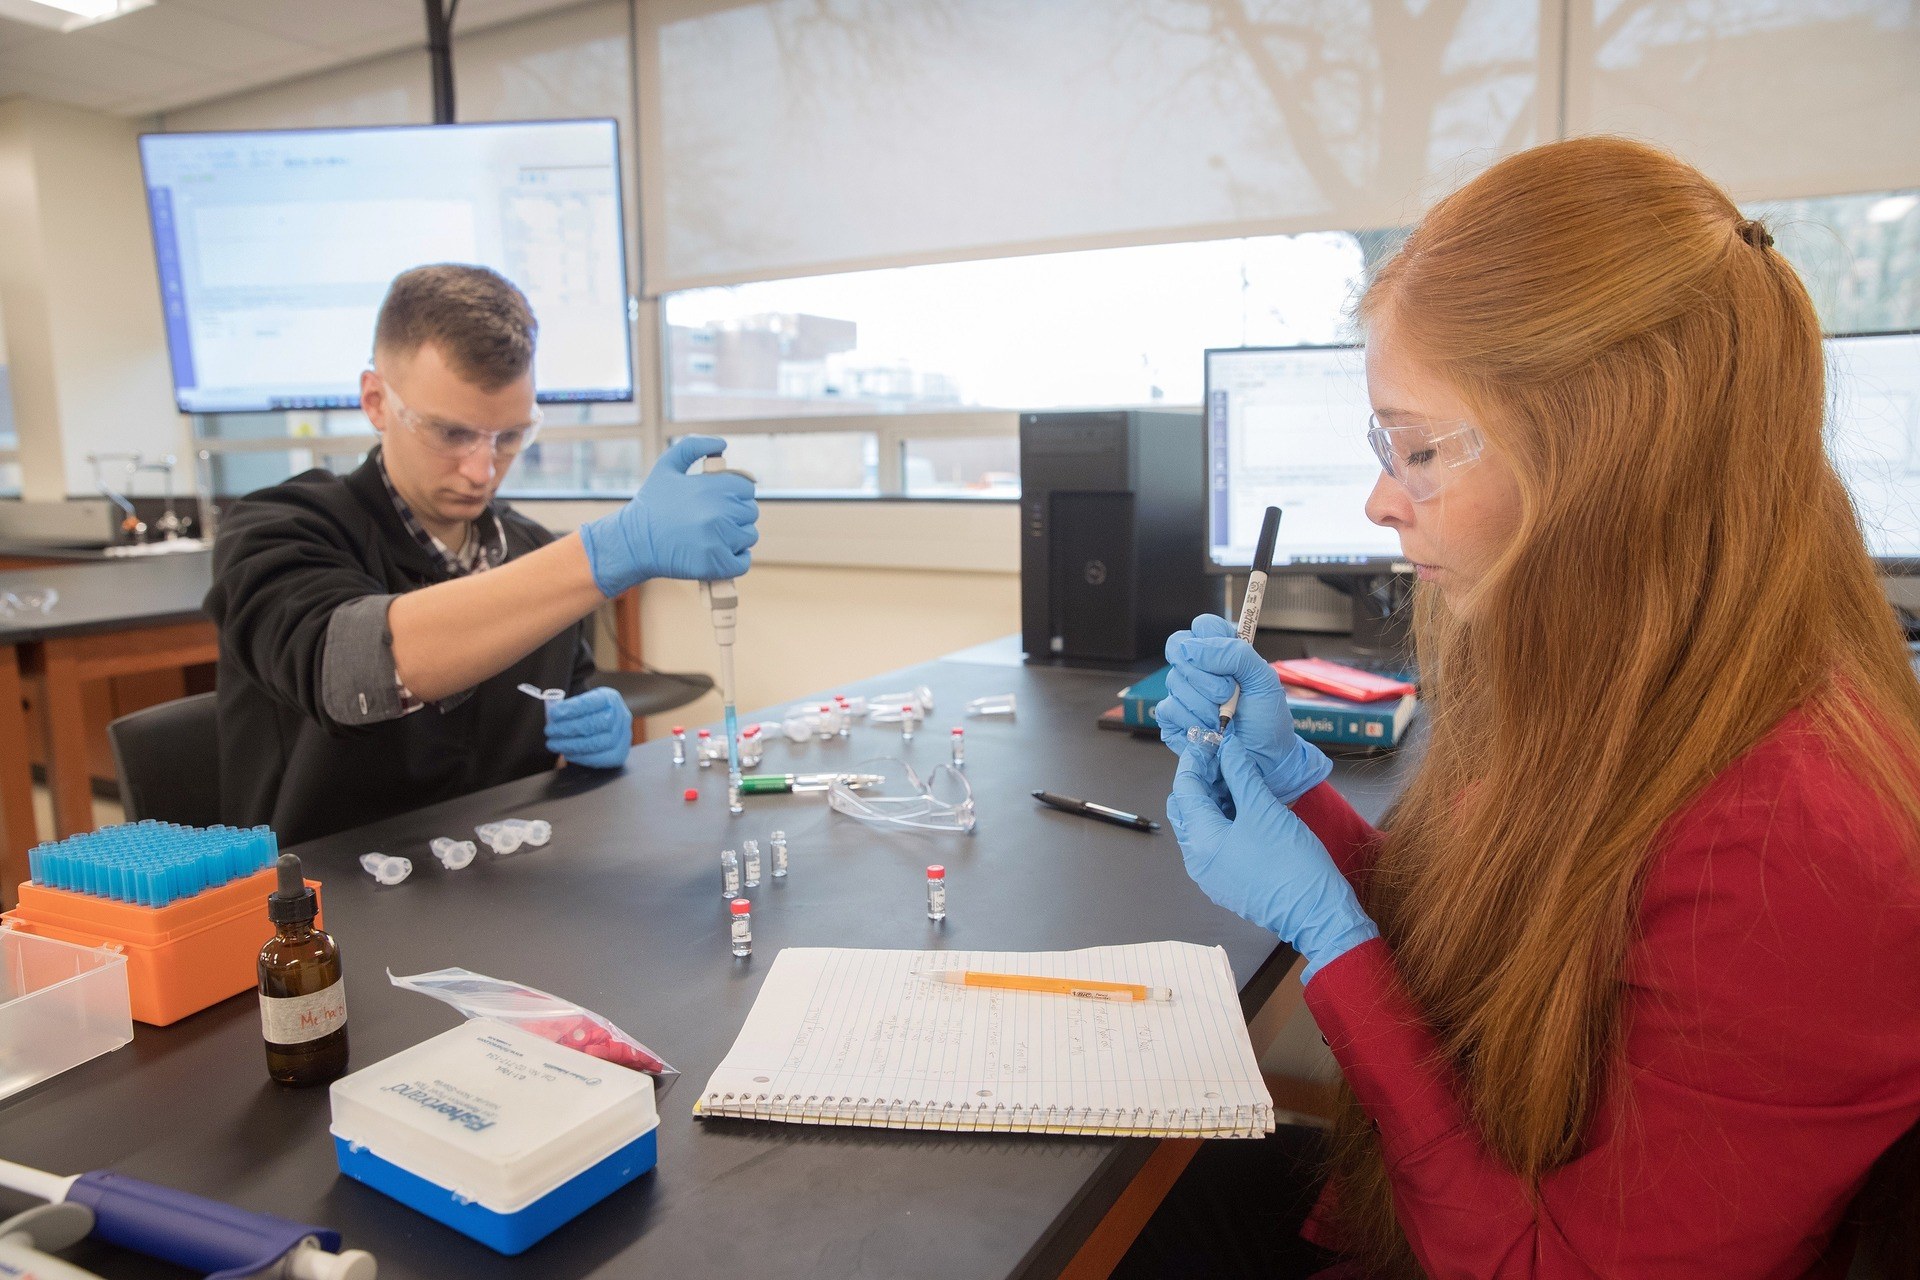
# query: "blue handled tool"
x,y
218,1240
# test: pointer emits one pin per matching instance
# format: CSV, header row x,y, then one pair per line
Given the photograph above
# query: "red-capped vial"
x,y
703,744
906,722
959,737
846,713
742,933
679,744
936,892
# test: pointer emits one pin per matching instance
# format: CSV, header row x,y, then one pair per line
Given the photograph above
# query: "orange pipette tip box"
x,y
181,958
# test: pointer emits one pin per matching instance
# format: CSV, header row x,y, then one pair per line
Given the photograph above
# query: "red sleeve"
x,y
1350,838
1771,1051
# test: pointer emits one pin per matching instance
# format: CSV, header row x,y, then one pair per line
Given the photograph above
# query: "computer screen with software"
x,y
275,249
1873,437
1287,427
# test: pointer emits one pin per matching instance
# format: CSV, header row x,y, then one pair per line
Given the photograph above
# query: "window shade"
x,y
1772,98
794,137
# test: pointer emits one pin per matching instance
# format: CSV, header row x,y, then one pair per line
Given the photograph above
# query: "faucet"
x,y
130,524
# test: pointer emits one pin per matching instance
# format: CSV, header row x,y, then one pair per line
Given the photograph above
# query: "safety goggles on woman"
x,y
1424,458
455,440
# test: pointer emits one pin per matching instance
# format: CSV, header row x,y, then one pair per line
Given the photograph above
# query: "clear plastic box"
x,y
60,1004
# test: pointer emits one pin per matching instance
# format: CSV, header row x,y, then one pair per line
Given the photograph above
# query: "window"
x,y
813,464
1099,327
961,467
1859,256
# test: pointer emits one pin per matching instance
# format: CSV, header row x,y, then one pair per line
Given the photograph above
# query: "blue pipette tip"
x,y
152,863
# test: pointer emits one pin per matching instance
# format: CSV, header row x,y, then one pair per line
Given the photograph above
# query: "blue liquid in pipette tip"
x,y
733,758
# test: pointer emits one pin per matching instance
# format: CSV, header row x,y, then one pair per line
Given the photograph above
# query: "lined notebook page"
x,y
852,1037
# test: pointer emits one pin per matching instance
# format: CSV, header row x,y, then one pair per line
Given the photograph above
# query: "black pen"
x,y
1087,809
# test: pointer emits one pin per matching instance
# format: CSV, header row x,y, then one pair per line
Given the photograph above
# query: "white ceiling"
x,y
180,52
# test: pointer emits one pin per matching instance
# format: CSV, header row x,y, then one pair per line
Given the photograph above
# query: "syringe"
x,y
723,602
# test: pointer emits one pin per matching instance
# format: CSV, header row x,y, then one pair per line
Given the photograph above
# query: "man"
x,y
374,627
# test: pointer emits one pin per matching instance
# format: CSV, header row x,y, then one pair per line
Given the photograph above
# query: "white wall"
x,y
88,354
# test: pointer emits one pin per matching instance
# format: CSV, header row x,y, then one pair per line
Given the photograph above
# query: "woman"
x,y
1630,986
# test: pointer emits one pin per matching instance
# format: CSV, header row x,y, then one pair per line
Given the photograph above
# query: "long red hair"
x,y
1686,569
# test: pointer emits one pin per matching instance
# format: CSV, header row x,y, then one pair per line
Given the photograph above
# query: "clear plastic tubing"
x,y
778,842
959,737
906,723
994,704
679,744
729,874
742,932
936,892
750,861
701,744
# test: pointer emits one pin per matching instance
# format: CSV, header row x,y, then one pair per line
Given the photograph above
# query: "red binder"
x,y
1341,682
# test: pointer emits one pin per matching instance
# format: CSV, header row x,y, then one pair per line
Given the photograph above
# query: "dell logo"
x,y
1096,573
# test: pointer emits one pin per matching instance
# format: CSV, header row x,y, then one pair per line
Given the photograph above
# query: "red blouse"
x,y
1771,1035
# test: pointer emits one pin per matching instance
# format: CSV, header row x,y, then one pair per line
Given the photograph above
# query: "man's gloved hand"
x,y
1207,662
1262,864
594,728
677,526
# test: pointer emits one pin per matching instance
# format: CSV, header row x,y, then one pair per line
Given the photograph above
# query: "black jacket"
x,y
285,559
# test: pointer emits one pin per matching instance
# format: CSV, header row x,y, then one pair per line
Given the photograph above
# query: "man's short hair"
x,y
478,320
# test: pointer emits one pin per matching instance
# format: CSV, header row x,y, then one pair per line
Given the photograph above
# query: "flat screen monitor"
x,y
1873,437
1287,427
276,248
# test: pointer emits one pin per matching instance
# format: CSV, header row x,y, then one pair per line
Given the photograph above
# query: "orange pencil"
x,y
1084,988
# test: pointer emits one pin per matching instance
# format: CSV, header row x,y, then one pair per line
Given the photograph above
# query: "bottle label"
x,y
298,1019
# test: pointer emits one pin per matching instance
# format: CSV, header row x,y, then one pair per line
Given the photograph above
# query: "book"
x,y
1318,717
854,1037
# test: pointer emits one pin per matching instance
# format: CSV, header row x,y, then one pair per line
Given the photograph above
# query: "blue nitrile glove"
x,y
1207,662
677,526
1263,864
594,728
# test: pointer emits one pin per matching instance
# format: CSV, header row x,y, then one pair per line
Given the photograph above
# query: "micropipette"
x,y
723,602
207,1236
754,784
1256,592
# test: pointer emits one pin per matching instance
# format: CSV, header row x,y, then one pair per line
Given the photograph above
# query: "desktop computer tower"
x,y
1112,532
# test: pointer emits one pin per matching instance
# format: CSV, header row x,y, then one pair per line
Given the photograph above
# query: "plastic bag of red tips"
x,y
545,1015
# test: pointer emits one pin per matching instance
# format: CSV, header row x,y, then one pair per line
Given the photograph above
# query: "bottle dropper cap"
x,y
293,901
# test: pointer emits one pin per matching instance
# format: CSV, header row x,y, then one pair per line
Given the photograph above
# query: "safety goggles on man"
x,y
1424,458
453,440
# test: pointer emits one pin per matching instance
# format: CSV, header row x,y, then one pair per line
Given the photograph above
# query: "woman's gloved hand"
x,y
594,728
1262,863
1207,662
677,526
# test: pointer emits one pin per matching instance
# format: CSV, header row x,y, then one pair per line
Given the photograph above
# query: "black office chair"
x,y
648,693
168,758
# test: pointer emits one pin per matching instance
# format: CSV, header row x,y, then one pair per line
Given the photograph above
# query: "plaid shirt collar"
x,y
486,544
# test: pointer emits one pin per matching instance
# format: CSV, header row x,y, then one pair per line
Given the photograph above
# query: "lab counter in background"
x,y
120,634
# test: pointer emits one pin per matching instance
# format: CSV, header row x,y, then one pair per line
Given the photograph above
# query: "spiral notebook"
x,y
847,1037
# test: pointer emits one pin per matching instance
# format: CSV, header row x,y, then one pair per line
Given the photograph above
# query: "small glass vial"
x,y
936,892
679,744
750,860
959,737
701,744
778,840
829,721
846,714
729,874
906,723
742,932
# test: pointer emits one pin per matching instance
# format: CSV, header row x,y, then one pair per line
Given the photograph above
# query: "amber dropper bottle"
x,y
303,1001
